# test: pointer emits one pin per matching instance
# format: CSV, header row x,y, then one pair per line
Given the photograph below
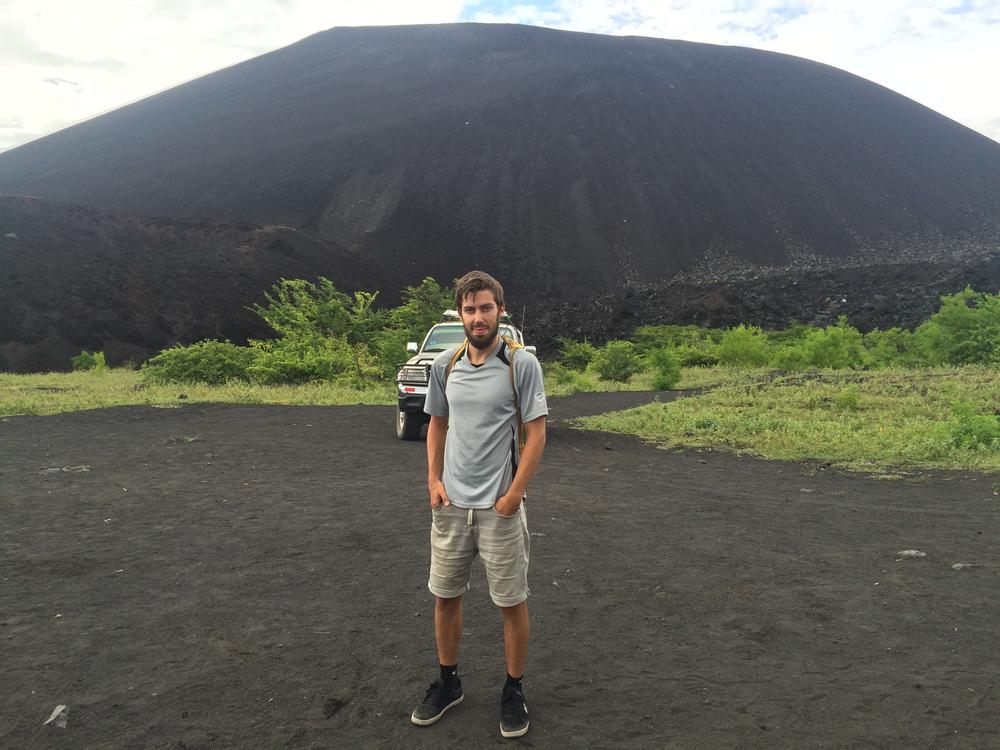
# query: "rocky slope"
x,y
75,278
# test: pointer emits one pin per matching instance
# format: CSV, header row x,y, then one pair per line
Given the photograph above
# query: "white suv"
x,y
411,380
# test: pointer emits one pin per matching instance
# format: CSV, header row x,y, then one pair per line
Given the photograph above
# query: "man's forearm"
x,y
436,432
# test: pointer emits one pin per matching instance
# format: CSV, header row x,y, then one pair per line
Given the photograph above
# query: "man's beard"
x,y
486,340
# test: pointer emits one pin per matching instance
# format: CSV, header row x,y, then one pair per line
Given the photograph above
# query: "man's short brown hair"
x,y
477,281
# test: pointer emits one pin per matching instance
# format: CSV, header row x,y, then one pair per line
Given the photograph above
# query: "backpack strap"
x,y
513,346
454,358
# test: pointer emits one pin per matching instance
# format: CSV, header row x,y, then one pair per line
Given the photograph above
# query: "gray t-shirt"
x,y
481,449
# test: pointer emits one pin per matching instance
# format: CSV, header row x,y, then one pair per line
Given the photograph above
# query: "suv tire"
x,y
408,425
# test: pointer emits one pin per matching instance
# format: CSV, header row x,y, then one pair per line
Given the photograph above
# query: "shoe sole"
x,y
515,733
428,722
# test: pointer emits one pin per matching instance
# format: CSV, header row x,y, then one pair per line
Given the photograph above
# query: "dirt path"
x,y
240,576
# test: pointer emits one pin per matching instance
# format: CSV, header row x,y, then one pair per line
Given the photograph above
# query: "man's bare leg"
x,y
513,709
448,628
515,638
446,692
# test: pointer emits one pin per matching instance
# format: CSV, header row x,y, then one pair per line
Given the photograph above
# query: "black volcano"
x,y
569,164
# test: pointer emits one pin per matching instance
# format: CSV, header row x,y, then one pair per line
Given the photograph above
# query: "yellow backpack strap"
x,y
454,358
513,346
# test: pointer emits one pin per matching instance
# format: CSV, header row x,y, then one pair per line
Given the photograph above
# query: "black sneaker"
x,y
513,712
437,700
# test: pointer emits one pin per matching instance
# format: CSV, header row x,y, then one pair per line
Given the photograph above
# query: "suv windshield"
x,y
447,336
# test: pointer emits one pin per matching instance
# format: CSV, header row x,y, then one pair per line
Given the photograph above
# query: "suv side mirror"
x,y
531,349
412,347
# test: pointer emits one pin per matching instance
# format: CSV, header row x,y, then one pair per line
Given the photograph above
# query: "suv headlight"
x,y
412,374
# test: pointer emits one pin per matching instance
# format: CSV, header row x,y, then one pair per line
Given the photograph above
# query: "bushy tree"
x,y
421,308
304,310
617,361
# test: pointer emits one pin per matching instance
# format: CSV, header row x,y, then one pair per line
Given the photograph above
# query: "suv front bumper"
x,y
411,397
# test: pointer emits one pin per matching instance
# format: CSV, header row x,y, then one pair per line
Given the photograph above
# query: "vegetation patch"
x,y
54,393
940,418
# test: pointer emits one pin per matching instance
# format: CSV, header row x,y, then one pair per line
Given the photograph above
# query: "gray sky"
x,y
62,61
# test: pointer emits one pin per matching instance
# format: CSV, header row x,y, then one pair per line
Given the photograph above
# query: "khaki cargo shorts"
x,y
459,534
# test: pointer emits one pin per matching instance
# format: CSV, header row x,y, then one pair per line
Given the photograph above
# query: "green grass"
x,y
873,422
57,392
692,378
53,393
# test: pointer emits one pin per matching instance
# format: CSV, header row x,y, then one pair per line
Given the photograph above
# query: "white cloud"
x,y
119,52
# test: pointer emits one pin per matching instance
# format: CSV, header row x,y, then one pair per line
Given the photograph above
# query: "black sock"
x,y
449,675
514,681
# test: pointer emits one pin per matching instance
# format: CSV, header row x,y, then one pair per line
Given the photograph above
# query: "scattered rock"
x,y
66,469
965,566
910,554
59,717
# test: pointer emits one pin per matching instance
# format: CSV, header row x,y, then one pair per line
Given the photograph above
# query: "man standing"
x,y
477,475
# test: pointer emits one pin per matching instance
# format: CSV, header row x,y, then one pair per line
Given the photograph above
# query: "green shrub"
x,y
647,338
576,355
890,348
848,399
666,369
88,361
388,347
966,330
209,361
743,346
570,380
294,359
617,361
689,355
693,346
558,373
973,430
836,347
790,357
795,334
